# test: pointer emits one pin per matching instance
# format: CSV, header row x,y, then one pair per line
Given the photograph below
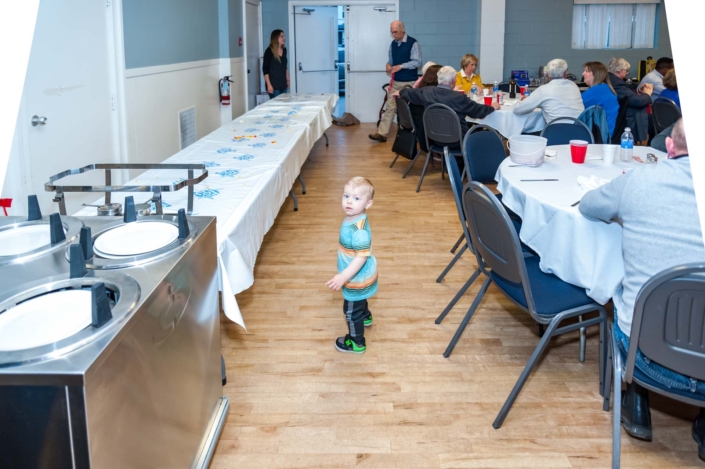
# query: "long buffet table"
x,y
253,162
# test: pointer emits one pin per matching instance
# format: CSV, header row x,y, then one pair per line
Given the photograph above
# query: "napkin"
x,y
593,182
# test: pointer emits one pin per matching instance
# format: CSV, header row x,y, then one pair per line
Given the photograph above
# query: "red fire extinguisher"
x,y
224,90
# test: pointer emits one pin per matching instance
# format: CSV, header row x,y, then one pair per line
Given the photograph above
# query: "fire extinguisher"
x,y
224,90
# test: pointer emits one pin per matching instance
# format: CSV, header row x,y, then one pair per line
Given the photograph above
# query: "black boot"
x,y
699,433
636,415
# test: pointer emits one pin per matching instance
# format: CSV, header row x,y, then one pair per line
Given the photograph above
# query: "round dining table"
x,y
577,250
509,124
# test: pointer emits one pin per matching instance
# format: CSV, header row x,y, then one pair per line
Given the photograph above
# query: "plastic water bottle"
x,y
496,88
473,90
627,146
526,91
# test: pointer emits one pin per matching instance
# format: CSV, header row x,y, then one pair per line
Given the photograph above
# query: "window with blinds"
x,y
615,26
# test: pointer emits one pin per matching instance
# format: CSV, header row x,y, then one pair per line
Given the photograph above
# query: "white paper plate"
x,y
136,238
24,239
45,320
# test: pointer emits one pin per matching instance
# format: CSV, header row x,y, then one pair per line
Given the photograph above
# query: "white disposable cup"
x,y
485,91
609,153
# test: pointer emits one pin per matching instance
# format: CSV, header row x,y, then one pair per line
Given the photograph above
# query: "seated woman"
x,y
671,85
600,92
429,78
423,72
467,76
637,118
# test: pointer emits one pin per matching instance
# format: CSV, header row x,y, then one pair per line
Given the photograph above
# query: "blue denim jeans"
x,y
277,93
667,378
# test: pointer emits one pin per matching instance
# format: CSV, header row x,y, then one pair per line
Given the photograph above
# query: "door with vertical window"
x,y
367,41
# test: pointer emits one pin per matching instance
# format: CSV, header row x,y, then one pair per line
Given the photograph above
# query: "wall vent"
x,y
187,126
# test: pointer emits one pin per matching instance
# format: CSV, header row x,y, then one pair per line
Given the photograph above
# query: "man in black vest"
x,y
404,60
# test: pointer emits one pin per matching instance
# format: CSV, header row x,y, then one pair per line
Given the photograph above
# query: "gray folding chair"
x,y
668,328
546,298
561,133
442,128
664,113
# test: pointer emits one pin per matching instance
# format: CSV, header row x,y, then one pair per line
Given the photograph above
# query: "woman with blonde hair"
x,y
274,65
467,76
600,93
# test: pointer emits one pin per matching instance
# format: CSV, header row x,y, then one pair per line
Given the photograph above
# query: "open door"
x,y
367,42
316,55
253,50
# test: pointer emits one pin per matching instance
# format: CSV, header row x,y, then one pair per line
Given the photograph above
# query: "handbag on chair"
x,y
405,143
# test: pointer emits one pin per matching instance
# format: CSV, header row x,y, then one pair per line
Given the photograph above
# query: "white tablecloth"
x,y
253,162
579,251
509,124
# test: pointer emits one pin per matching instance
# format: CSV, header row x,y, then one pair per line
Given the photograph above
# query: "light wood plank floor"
x,y
298,403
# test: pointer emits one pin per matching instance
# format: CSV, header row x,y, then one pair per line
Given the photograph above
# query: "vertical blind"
x,y
622,26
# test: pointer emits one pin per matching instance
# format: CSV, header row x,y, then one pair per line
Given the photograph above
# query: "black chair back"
x,y
483,152
561,133
665,113
404,115
621,122
417,117
669,321
442,126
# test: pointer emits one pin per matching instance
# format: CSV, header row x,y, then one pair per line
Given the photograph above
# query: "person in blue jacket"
x,y
600,93
671,88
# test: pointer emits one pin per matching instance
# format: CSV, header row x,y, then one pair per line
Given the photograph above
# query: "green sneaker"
x,y
346,344
368,320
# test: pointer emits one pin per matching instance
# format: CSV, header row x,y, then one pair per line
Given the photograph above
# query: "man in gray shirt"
x,y
655,204
560,97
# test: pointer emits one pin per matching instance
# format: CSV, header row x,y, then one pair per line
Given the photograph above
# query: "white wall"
x,y
156,95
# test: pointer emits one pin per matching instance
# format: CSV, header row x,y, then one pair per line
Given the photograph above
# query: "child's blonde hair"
x,y
358,181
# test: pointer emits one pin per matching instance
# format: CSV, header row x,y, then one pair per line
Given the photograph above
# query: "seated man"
x,y
655,76
444,94
558,98
657,233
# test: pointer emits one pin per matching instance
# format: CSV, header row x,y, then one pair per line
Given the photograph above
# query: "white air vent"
x,y
187,126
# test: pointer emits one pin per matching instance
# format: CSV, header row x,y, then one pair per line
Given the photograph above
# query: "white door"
x,y
253,50
70,81
367,40
316,55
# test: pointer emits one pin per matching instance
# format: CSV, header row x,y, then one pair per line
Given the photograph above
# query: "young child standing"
x,y
357,267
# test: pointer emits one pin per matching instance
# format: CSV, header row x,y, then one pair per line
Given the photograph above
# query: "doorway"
x,y
341,47
253,50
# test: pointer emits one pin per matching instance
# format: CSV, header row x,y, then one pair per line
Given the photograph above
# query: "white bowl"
x,y
527,150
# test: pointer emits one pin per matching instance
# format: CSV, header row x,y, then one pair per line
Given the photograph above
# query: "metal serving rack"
x,y
108,188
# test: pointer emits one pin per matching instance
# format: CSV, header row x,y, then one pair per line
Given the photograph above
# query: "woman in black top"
x,y
274,68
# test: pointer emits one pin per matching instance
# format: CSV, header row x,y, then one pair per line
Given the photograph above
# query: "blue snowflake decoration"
x,y
276,110
164,205
270,134
211,164
178,181
276,126
243,157
222,151
296,108
251,129
284,119
260,122
207,193
228,173
257,145
291,113
268,116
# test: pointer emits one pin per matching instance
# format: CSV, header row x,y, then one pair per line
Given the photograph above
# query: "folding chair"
x,y
406,123
667,328
442,128
561,133
664,113
545,297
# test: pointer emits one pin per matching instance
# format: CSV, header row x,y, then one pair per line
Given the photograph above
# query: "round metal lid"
x,y
40,301
21,240
108,260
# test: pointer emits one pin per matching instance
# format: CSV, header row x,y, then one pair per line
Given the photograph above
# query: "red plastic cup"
x,y
578,150
522,90
488,100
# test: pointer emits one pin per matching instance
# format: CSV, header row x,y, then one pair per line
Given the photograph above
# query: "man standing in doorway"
x,y
403,64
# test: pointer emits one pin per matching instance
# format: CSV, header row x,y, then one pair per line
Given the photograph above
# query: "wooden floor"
x,y
298,403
